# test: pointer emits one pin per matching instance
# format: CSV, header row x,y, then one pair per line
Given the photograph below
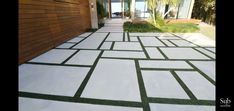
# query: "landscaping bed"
x,y
173,26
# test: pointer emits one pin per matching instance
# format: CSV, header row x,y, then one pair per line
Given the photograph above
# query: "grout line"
x,y
161,41
80,100
70,57
164,55
103,41
54,64
208,50
142,46
203,53
81,40
183,85
181,101
128,36
202,73
123,36
144,99
157,59
112,45
85,81
185,40
166,69
173,43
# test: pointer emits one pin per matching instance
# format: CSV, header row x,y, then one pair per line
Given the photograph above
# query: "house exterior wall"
x,y
185,9
44,24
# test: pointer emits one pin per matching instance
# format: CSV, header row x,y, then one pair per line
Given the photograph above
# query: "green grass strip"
x,y
54,64
186,89
103,41
164,55
181,101
203,53
112,45
143,94
128,36
146,54
85,81
80,100
202,73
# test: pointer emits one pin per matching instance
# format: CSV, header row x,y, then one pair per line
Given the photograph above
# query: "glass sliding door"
x,y
141,9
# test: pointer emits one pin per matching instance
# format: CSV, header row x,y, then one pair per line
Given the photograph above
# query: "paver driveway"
x,y
112,70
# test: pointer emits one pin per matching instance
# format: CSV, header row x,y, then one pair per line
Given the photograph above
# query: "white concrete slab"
x,y
168,43
211,49
208,67
162,84
183,53
29,104
198,39
106,45
77,39
207,52
54,56
92,42
182,43
84,57
115,37
123,54
126,36
66,45
127,46
54,80
199,86
154,53
168,37
133,39
164,64
151,41
175,107
113,79
85,34
110,29
150,34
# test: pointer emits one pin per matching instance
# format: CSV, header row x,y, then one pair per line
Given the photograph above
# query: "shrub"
x,y
159,20
139,27
100,10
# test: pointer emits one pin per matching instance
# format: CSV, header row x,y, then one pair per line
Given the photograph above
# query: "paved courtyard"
x,y
112,70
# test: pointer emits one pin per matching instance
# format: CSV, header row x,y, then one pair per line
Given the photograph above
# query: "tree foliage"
x,y
204,10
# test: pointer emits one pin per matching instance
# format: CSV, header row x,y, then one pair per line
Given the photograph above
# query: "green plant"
x,y
92,30
101,10
152,4
139,27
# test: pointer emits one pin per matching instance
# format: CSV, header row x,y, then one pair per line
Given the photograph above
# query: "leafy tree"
x,y
152,4
171,3
205,10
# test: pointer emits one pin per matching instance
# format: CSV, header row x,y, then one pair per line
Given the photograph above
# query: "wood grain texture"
x,y
44,24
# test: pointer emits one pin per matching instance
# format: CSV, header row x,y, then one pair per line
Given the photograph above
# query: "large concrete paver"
x,y
182,53
174,107
54,80
28,104
118,82
84,57
133,70
164,64
92,42
54,56
199,86
162,84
